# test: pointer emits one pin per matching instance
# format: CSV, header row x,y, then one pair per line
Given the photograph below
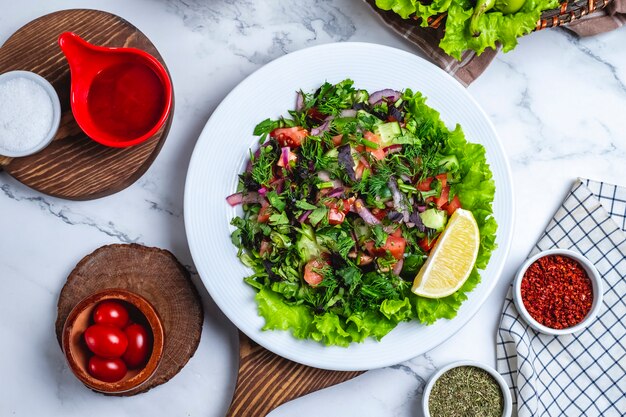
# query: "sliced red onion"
x,y
335,192
285,156
378,96
241,198
398,199
421,209
365,214
405,178
348,113
262,191
299,101
397,268
392,149
304,216
324,127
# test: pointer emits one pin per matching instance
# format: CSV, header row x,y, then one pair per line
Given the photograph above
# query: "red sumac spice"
x,y
556,291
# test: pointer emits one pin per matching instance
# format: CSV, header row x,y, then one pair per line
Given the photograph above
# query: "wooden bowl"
x,y
77,353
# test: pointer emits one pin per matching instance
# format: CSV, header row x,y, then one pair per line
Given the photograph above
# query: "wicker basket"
x,y
568,12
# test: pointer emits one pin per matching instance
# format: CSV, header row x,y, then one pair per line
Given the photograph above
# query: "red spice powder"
x,y
557,292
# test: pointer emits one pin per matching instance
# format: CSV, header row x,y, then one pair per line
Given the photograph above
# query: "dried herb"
x,y
466,391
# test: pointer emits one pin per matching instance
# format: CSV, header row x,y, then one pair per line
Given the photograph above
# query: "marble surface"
x,y
557,102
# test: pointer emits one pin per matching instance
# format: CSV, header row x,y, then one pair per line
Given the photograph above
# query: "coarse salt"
x,y
26,114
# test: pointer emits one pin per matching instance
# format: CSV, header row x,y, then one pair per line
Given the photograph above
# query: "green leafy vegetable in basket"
x,y
476,25
342,203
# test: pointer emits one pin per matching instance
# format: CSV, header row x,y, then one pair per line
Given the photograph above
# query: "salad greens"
x,y
502,25
342,203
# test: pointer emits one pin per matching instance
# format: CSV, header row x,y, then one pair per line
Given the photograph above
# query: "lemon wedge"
x,y
451,259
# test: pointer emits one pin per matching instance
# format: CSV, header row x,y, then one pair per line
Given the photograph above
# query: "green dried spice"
x,y
466,391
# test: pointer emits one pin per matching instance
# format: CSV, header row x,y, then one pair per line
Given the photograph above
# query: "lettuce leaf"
x,y
329,328
494,27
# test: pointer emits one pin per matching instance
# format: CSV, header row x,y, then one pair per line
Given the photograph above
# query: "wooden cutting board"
x,y
73,166
265,380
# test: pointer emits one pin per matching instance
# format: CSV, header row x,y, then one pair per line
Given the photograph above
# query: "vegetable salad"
x,y
342,203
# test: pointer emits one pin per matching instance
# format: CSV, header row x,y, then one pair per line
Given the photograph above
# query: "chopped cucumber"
x,y
434,219
388,132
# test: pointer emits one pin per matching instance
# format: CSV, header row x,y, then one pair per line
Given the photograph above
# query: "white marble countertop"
x,y
557,102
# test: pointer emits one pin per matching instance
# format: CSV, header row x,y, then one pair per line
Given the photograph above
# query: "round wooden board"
x,y
156,275
74,166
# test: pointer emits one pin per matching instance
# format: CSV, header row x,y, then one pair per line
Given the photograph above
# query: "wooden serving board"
x,y
154,274
73,166
265,380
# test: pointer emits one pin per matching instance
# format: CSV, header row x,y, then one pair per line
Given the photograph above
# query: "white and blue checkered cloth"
x,y
583,374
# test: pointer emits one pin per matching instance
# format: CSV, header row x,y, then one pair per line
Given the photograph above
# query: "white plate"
x,y
222,151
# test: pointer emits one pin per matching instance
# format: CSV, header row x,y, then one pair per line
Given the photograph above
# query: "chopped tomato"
x,y
335,216
379,213
395,245
292,157
290,136
443,178
453,205
264,213
426,183
338,210
376,153
265,248
425,244
310,276
337,140
443,198
397,232
315,114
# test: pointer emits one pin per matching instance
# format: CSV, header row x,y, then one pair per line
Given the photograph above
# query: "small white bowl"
x,y
56,111
597,288
507,408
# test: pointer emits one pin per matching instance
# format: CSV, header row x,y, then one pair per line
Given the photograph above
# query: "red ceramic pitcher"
x,y
119,96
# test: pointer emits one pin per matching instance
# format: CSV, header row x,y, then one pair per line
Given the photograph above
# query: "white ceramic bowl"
x,y
592,273
56,111
507,408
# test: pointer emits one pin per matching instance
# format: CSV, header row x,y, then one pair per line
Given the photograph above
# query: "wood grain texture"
x,y
265,380
73,166
154,274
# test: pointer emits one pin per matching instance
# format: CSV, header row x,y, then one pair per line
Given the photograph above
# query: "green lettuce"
x,y
494,27
476,190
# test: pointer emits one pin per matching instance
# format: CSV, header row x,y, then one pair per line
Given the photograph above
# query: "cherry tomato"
x,y
139,346
112,313
106,341
107,370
